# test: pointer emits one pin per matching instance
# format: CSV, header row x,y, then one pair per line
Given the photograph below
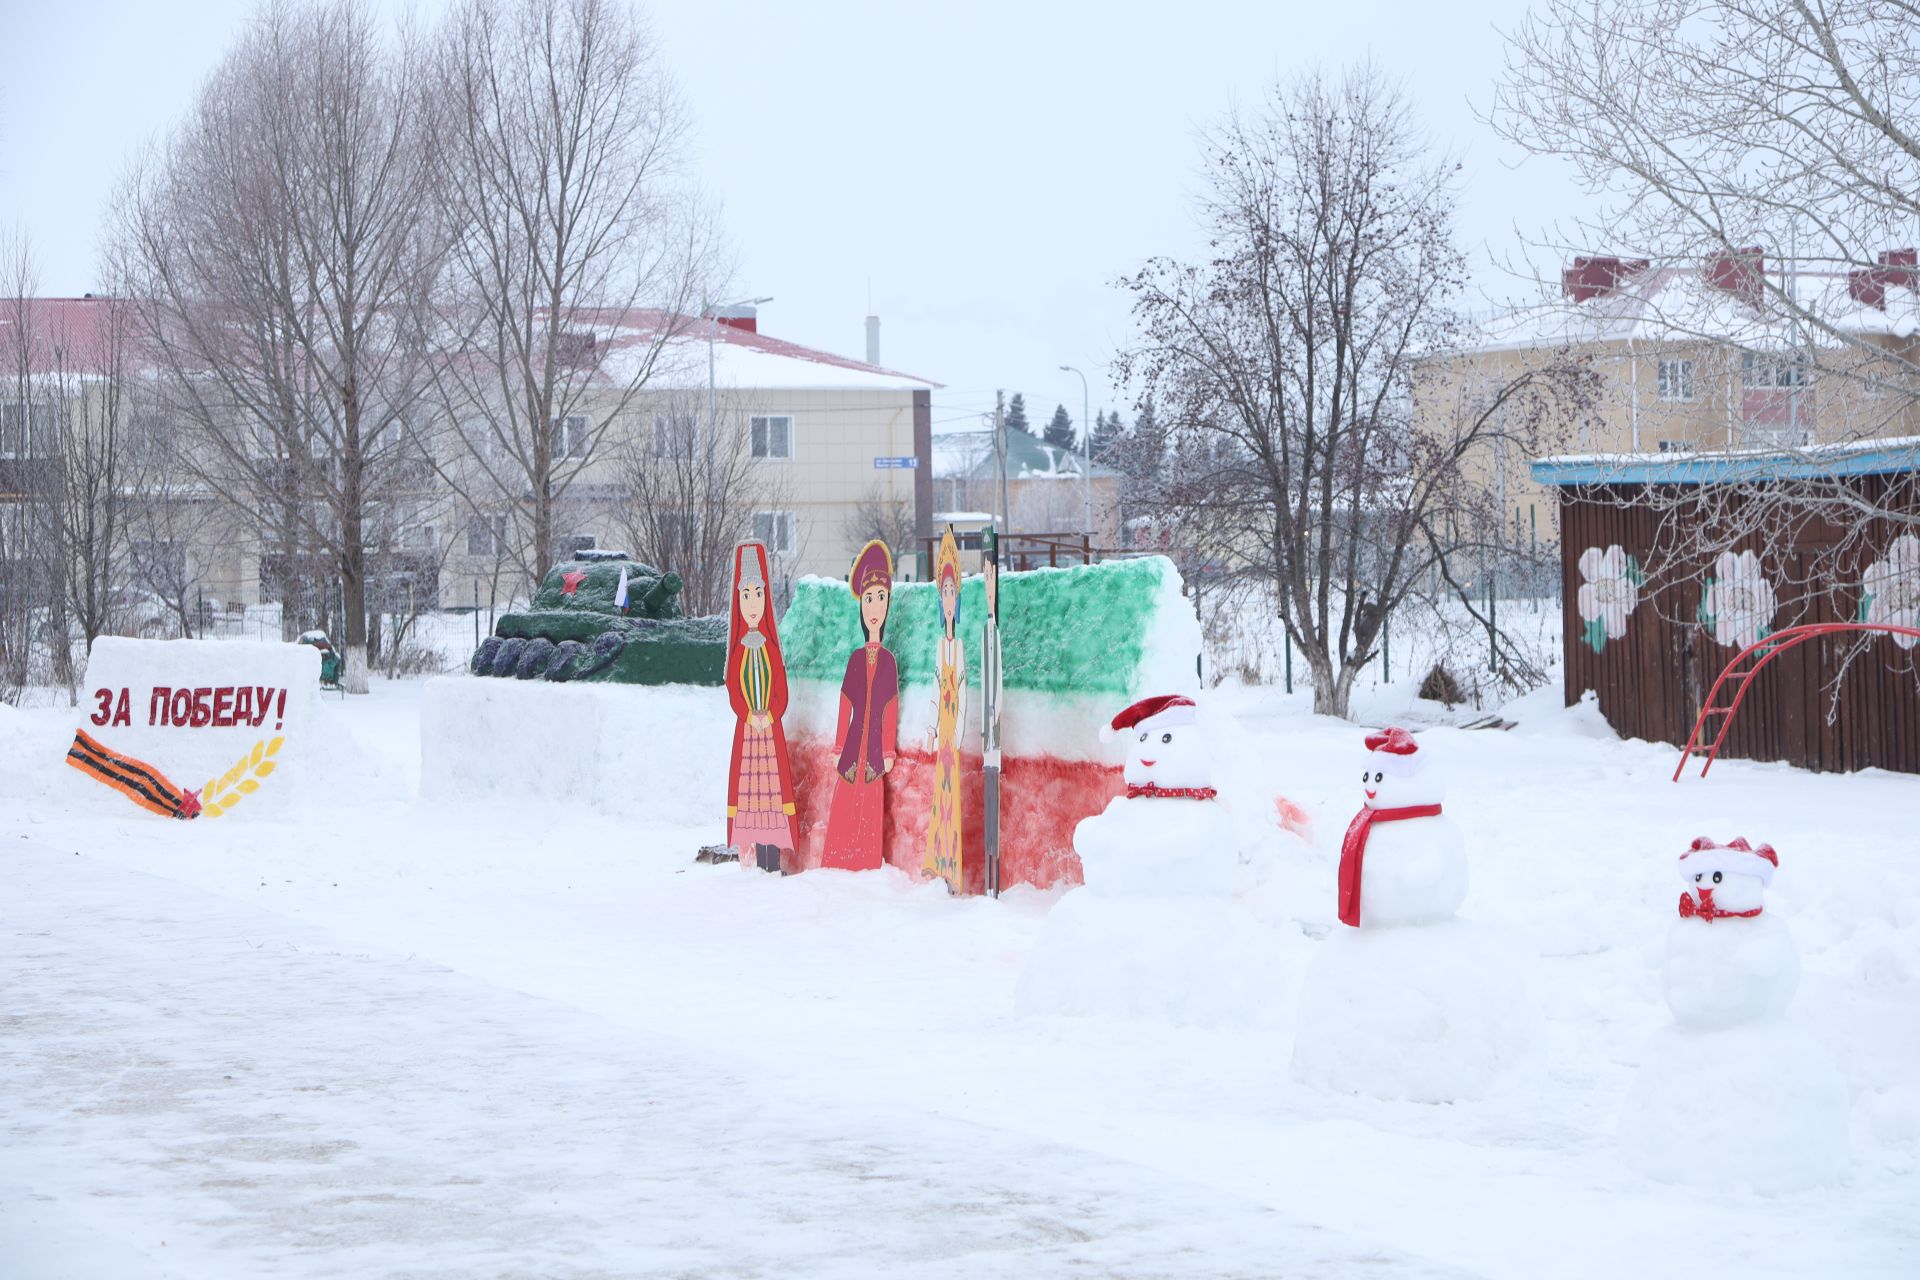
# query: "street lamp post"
x,y
1086,441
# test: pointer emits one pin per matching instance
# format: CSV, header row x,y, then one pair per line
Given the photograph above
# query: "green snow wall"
x,y
1077,630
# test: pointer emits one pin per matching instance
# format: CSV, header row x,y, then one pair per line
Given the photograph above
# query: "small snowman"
x,y
1728,962
1730,973
1156,931
1408,1002
1402,861
1168,834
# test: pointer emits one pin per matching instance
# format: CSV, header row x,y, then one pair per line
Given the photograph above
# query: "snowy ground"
x,y
403,1038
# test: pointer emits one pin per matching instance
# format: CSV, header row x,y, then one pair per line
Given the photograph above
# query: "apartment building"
x,y
1694,357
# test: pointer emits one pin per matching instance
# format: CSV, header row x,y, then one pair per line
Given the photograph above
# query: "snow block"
x,y
658,752
1077,645
225,719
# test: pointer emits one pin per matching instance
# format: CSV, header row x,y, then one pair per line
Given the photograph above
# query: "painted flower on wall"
x,y
1611,590
1890,588
1739,603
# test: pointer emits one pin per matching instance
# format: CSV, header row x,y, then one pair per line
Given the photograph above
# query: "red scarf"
x,y
1147,791
1353,851
1705,909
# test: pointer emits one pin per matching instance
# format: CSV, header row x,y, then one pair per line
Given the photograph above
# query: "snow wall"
x,y
1077,645
197,710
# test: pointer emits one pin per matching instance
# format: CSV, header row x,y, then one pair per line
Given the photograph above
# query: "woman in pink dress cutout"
x,y
869,714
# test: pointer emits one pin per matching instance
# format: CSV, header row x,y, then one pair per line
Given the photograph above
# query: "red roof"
x,y
63,334
651,320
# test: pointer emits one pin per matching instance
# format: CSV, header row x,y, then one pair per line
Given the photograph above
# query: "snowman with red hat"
x,y
1156,930
1403,1000
1779,1119
1168,833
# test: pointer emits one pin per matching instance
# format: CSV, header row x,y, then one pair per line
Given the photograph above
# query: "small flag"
x,y
620,596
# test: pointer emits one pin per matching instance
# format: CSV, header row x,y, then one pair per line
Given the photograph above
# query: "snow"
x,y
486,1037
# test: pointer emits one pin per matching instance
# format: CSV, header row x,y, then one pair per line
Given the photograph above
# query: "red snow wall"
x,y
1042,799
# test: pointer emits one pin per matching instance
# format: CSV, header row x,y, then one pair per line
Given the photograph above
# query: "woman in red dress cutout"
x,y
759,780
869,714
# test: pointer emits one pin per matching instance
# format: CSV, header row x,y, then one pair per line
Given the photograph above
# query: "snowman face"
x,y
1730,891
1166,755
1385,789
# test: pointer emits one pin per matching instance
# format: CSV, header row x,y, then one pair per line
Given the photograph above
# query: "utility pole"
x,y
1000,453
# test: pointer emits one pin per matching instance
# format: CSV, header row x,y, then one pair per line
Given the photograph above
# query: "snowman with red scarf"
x,y
1402,1000
1730,974
1402,861
1156,931
1168,833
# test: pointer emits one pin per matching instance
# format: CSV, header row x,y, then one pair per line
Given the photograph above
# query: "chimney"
x,y
1590,278
1738,271
873,340
745,319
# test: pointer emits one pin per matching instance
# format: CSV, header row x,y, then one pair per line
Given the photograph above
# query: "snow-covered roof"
x,y
1679,304
742,358
1719,466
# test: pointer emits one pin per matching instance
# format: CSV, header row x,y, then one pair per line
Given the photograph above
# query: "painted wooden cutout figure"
x,y
869,716
760,802
945,837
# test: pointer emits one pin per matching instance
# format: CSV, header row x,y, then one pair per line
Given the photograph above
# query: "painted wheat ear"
x,y
222,793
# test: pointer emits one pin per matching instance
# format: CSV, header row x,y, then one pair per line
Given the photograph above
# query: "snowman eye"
x,y
1378,776
1143,737
1697,879
1716,877
1166,737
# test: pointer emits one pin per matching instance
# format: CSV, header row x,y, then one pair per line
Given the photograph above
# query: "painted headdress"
x,y
872,567
749,567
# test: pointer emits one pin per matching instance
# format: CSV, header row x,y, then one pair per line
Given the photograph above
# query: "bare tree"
x,y
282,246
1282,366
564,182
32,613
692,490
1722,134
882,513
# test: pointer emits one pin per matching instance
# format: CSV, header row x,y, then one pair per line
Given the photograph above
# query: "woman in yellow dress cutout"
x,y
944,831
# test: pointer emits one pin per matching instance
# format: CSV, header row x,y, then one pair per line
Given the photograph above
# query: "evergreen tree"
x,y
1017,414
1059,432
1107,432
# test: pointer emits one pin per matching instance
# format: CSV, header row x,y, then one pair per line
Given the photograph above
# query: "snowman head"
x,y
1731,877
1395,775
1164,744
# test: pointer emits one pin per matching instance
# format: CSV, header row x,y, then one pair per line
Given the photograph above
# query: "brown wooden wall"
x,y
1653,682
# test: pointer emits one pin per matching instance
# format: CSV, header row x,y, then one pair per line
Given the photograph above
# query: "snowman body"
x,y
1733,969
1178,843
1415,870
1779,1119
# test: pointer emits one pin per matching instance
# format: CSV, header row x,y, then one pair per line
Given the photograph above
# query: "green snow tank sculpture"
x,y
575,632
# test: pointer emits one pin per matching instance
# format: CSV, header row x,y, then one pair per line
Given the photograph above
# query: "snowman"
x,y
1730,973
1402,861
1156,931
1408,1002
1728,962
1168,834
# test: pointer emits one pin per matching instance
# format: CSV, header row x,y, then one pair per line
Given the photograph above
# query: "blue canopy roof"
x,y
1856,458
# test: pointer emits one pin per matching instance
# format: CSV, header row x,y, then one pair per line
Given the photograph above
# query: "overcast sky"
x,y
982,179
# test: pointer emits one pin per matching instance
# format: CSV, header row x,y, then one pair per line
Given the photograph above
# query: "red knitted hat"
x,y
1395,751
1737,857
1162,709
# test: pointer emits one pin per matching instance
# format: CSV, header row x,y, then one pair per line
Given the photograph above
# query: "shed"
x,y
1672,563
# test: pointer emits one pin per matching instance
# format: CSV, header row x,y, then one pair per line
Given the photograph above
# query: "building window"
x,y
487,536
674,435
1759,372
1676,379
775,529
569,437
773,435
27,430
